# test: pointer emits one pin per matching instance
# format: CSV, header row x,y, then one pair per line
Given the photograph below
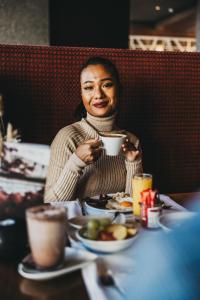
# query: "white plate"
x,y
173,220
106,246
91,210
74,259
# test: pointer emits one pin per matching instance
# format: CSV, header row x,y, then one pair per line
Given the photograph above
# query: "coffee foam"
x,y
47,212
114,135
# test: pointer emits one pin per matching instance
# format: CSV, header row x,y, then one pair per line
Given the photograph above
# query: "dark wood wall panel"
x,y
89,24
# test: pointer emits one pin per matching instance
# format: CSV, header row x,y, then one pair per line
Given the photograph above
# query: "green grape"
x,y
93,224
104,222
92,234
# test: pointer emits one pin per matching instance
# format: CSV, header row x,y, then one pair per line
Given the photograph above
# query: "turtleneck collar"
x,y
104,123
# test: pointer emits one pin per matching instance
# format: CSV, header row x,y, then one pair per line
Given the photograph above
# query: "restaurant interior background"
x,y
137,24
44,87
40,88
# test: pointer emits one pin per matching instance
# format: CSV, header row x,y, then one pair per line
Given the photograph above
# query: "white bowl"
x,y
174,220
95,210
90,210
106,246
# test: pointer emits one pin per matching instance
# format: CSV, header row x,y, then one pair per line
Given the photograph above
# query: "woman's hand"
x,y
90,151
129,151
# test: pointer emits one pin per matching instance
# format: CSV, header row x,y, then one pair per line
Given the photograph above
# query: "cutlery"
x,y
164,206
116,214
106,278
82,207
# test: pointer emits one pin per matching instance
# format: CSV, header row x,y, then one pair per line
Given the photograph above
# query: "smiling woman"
x,y
99,87
109,84
79,167
99,91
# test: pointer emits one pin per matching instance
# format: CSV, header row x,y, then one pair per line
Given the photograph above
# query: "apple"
x,y
106,236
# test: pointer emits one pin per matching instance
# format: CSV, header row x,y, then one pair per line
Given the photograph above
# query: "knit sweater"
x,y
69,177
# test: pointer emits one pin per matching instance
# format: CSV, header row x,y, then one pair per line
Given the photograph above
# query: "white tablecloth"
x,y
125,265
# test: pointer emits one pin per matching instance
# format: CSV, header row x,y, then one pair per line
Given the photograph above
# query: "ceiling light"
x,y
157,7
170,10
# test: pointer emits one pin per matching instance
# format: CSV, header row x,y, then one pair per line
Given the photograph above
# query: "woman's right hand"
x,y
90,151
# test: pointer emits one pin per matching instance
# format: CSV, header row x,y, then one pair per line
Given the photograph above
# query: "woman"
x,y
78,166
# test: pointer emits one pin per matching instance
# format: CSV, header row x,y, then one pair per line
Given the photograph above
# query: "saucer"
x,y
74,259
30,266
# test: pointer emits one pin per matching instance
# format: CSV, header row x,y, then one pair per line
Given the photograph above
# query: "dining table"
x,y
69,286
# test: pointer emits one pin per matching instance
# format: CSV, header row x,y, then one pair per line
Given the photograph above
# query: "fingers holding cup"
x,y
129,150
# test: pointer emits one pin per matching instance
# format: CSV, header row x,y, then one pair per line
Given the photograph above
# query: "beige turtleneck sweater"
x,y
69,177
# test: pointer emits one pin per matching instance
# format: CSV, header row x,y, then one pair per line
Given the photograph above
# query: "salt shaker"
x,y
153,214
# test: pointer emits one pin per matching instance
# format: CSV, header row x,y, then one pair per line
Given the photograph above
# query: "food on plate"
x,y
91,234
98,203
93,224
132,231
118,231
120,195
120,201
126,204
103,230
106,236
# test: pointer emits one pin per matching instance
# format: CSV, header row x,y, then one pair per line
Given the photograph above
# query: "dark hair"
x,y
80,111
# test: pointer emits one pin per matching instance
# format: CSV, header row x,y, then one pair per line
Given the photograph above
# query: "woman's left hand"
x,y
129,151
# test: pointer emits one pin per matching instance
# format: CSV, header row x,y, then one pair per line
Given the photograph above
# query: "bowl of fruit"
x,y
100,235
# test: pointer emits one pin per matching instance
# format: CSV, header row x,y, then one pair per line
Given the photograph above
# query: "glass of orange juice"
x,y
140,183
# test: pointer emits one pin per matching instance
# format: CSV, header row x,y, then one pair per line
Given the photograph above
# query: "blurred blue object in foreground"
x,y
170,263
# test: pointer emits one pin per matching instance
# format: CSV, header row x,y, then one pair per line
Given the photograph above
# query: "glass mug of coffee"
x,y
47,232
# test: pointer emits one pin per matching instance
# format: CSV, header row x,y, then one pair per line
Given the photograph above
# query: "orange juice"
x,y
140,183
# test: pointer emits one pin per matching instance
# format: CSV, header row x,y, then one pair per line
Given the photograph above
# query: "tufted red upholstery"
x,y
160,102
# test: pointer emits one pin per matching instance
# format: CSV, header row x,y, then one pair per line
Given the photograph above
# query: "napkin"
x,y
169,201
125,268
99,291
73,208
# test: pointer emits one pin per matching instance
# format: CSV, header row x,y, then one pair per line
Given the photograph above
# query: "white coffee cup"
x,y
112,143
